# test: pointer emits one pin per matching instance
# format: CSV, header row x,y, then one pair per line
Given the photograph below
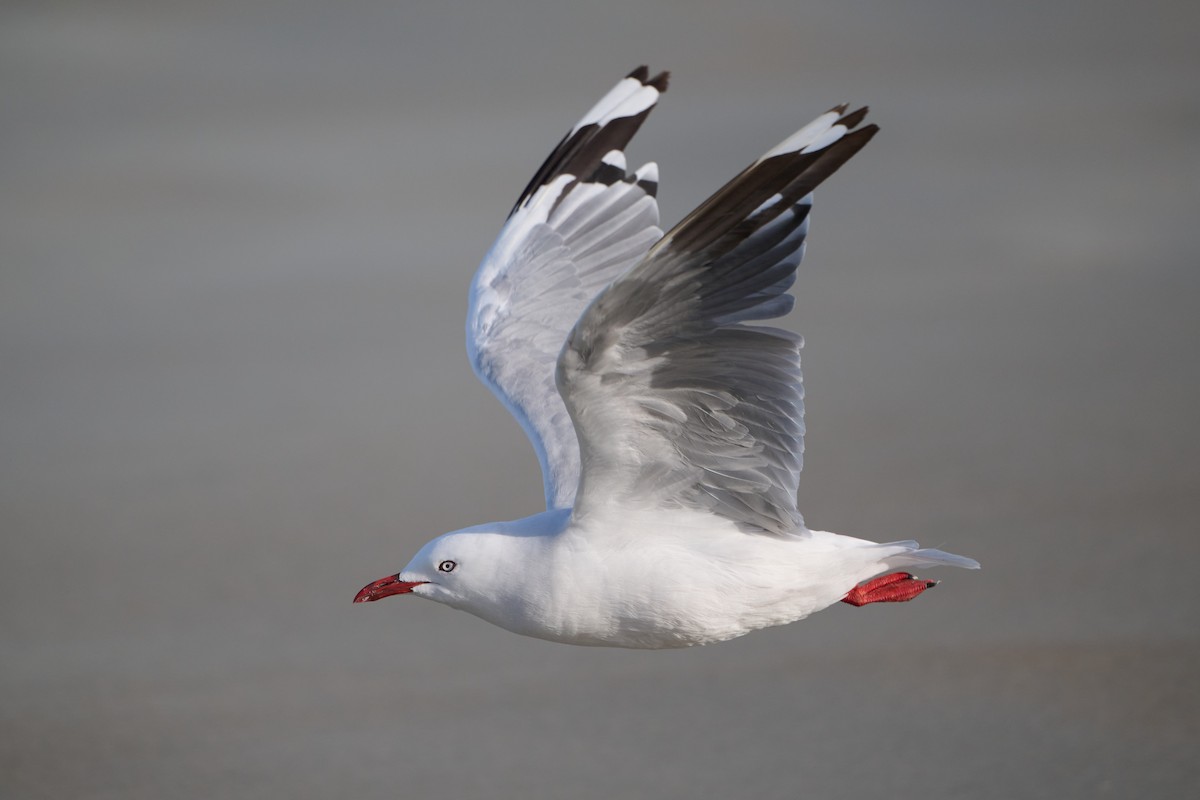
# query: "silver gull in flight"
x,y
668,428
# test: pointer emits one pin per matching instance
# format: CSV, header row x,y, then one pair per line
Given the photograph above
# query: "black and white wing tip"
x,y
780,179
821,132
606,127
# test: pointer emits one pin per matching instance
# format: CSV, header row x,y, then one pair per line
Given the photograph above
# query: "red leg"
x,y
894,588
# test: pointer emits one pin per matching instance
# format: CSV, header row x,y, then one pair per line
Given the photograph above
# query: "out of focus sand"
x,y
235,241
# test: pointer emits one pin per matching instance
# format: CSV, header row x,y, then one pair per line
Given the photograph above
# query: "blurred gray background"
x,y
235,245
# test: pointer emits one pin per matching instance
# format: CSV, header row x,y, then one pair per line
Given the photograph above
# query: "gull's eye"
x,y
447,566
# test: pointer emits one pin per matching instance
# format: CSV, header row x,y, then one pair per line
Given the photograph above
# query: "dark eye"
x,y
447,566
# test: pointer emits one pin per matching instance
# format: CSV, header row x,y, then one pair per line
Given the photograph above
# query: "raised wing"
x,y
580,223
677,402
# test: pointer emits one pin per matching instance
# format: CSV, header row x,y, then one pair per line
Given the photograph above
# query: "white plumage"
x,y
669,430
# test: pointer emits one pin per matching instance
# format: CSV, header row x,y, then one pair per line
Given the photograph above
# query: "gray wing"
x,y
580,223
678,402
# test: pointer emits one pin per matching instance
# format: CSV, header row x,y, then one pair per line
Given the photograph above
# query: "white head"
x,y
457,569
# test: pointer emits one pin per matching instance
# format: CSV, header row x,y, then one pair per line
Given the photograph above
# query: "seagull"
x,y
669,428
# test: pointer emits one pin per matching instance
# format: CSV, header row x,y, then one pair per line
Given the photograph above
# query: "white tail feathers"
x,y
910,554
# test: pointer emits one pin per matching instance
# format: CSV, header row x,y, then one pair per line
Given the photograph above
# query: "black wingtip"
x,y
853,118
606,173
659,81
649,187
866,132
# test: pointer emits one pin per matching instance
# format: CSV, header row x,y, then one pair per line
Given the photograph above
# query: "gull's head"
x,y
452,569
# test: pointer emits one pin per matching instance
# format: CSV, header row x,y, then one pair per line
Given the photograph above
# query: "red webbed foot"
x,y
894,588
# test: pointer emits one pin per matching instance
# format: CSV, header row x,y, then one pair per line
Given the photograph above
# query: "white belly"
x,y
688,588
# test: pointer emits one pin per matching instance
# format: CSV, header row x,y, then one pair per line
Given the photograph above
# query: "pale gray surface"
x,y
235,241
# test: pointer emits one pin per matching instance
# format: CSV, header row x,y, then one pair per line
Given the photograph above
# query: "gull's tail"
x,y
911,554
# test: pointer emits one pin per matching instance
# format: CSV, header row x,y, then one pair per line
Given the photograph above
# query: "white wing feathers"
x,y
580,223
677,402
